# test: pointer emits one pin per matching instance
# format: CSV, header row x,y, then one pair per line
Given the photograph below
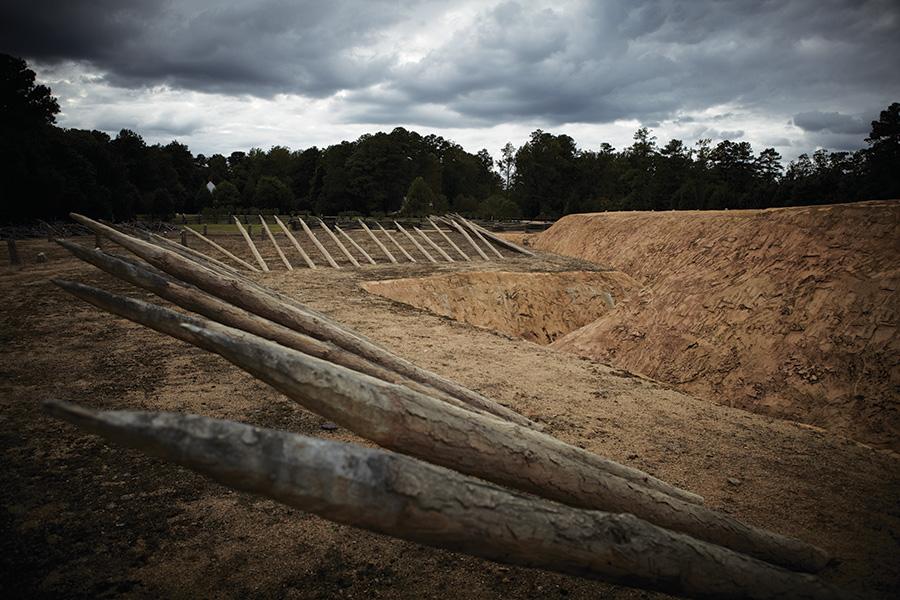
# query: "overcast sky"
x,y
224,76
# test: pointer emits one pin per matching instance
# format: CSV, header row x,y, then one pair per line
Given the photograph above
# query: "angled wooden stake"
x,y
399,247
291,237
281,255
469,239
498,239
318,244
449,241
477,233
342,247
236,259
253,249
354,244
378,242
433,245
415,243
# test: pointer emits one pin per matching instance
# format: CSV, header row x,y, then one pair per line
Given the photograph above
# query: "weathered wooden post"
x,y
14,259
183,238
204,229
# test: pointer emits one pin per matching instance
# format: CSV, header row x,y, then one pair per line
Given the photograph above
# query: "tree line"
x,y
50,171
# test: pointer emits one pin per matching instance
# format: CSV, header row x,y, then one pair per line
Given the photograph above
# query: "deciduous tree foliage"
x,y
48,172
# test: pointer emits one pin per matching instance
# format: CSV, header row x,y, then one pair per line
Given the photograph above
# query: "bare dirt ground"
x,y
789,312
83,519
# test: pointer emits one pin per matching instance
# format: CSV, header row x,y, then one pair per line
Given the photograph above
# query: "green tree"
x,y
23,104
420,199
271,192
226,196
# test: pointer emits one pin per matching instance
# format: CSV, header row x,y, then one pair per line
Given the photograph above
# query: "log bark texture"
x,y
406,498
448,240
355,245
468,237
500,240
170,322
480,237
253,298
296,244
227,253
377,242
431,243
318,244
338,243
414,242
281,255
253,249
396,243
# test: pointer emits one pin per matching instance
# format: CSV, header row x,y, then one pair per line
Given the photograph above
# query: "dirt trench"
x,y
538,307
791,313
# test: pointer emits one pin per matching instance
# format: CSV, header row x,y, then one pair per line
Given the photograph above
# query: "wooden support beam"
x,y
288,312
253,250
469,239
396,243
341,246
378,242
414,242
296,244
449,241
499,240
437,248
355,245
318,244
406,421
281,255
409,499
480,237
227,253
186,251
170,322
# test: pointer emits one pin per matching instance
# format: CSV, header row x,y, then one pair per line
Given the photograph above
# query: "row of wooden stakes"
x,y
471,232
454,470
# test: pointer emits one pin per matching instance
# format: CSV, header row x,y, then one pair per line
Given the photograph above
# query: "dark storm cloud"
x,y
816,121
821,61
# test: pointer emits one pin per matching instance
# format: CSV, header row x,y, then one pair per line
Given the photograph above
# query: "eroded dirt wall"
x,y
788,312
538,307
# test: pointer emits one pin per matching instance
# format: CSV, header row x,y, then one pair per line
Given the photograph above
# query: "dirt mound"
x,y
538,307
787,312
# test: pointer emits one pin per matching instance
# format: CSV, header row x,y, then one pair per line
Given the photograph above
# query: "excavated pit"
x,y
539,307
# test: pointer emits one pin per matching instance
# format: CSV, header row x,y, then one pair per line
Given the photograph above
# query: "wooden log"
x,y
253,250
281,255
14,258
469,239
296,244
184,239
448,240
254,298
499,240
479,236
195,255
414,242
318,244
406,498
437,248
396,243
354,244
341,246
170,322
227,253
406,421
378,242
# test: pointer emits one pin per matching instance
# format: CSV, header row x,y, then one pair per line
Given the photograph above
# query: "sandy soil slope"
x,y
788,312
79,518
538,307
